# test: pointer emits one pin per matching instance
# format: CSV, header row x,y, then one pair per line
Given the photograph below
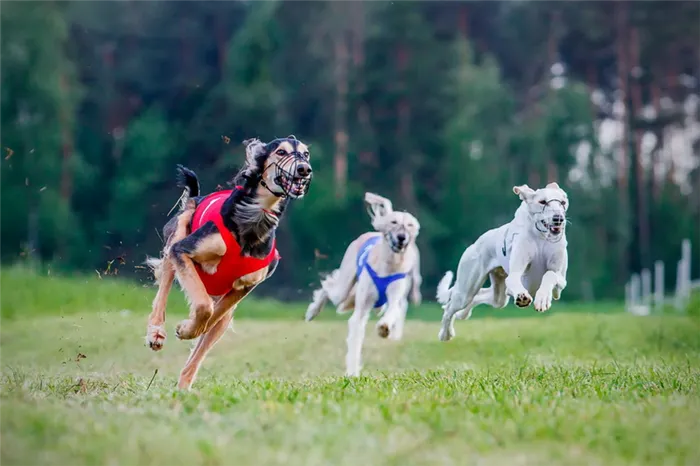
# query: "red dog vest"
x,y
233,265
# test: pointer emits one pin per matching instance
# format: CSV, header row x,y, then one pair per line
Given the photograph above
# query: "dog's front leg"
x,y
365,299
395,309
522,254
553,281
165,276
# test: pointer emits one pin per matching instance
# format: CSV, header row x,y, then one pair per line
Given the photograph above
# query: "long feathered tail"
x,y
443,289
188,181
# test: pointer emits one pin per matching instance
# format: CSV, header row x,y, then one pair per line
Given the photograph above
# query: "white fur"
x,y
347,292
535,262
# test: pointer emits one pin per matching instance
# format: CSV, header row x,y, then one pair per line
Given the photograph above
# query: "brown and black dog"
x,y
221,246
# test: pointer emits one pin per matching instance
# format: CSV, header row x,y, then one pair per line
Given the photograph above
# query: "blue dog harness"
x,y
380,282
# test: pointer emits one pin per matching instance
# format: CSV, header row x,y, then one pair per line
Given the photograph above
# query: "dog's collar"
x,y
267,211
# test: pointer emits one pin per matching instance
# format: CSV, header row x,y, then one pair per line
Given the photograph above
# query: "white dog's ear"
x,y
377,206
524,191
553,185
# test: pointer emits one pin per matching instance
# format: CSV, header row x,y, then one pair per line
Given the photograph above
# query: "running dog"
x,y
222,245
524,257
379,269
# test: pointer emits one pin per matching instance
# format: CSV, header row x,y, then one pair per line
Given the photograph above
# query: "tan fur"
x,y
211,316
164,271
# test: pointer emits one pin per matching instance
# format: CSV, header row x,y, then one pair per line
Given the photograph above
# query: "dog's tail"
x,y
156,266
443,289
188,181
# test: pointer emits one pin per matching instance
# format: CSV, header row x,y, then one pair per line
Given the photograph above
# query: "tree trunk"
x,y
463,21
553,57
622,29
655,155
67,148
402,130
640,178
340,120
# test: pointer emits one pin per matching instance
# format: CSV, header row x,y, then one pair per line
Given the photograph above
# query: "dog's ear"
x,y
553,185
524,192
253,149
377,207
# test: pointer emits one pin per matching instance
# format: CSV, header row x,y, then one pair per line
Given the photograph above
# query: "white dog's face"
x,y
400,229
547,208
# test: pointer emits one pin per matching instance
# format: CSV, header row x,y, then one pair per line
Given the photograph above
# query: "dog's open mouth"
x,y
555,230
294,187
395,245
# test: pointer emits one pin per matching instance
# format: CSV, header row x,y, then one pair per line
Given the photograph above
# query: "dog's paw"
x,y
543,301
523,299
446,334
383,329
311,314
186,330
155,337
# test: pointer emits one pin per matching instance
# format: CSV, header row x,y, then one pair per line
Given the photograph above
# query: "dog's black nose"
x,y
558,219
400,237
303,169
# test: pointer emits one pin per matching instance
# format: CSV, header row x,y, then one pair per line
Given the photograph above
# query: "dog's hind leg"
x,y
319,300
471,275
207,243
357,325
495,295
206,342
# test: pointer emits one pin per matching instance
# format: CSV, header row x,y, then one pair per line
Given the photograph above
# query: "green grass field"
x,y
579,385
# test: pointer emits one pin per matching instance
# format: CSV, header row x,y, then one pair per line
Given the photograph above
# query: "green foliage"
x,y
444,116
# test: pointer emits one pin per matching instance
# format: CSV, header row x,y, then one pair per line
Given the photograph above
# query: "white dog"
x,y
379,270
524,257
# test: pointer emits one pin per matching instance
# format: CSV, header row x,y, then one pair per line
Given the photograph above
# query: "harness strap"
x,y
380,283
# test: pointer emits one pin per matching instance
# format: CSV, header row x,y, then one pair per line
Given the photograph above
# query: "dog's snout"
x,y
401,237
558,219
303,169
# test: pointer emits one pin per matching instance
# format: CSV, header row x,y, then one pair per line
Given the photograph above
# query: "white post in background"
x,y
685,253
635,290
646,288
678,301
658,286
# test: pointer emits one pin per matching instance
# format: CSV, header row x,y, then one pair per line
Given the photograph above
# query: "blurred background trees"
x,y
441,106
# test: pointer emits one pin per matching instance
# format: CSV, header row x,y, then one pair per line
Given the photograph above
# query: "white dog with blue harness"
x,y
379,270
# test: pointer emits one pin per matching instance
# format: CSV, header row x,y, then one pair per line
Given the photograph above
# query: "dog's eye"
x,y
394,222
281,152
306,154
543,202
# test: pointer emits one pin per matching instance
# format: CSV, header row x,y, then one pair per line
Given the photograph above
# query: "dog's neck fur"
x,y
524,220
252,214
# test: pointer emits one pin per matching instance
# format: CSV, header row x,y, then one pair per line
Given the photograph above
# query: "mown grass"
x,y
78,387
68,295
